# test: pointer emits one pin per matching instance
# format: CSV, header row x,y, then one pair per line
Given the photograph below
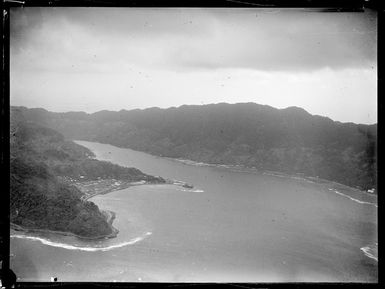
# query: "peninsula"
x,y
49,177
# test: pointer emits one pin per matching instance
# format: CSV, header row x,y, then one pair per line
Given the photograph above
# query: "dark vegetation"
x,y
39,199
287,140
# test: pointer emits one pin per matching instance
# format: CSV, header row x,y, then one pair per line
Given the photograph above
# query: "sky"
x,y
92,59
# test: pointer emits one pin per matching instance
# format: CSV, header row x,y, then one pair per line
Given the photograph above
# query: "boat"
x,y
188,186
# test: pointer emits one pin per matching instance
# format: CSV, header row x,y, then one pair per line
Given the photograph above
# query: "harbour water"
x,y
235,225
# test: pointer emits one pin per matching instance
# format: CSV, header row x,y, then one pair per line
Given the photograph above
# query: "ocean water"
x,y
235,225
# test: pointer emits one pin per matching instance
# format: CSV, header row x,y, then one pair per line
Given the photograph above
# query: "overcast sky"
x,y
90,59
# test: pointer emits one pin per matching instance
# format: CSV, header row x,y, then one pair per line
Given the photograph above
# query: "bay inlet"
x,y
232,226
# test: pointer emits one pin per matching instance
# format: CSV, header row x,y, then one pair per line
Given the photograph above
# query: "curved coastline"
x,y
244,168
117,248
82,248
369,250
109,215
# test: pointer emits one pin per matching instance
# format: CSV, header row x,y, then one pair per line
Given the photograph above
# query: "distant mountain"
x,y
287,140
40,159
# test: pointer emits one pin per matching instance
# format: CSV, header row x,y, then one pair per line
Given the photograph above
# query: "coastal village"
x,y
99,186
104,186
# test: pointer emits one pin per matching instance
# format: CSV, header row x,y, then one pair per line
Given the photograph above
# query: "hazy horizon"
x,y
92,59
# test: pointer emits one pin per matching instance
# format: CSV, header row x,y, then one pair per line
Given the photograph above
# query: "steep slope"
x,y
40,158
287,140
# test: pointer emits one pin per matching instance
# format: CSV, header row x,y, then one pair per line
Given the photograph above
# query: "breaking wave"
x,y
370,252
280,175
193,163
353,199
87,249
183,189
236,168
192,191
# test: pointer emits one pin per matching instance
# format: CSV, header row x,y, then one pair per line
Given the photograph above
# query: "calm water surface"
x,y
232,227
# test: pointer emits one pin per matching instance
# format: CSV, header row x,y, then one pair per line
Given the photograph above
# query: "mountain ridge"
x,y
79,112
289,140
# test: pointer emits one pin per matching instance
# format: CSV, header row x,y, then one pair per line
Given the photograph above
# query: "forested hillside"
x,y
39,199
287,140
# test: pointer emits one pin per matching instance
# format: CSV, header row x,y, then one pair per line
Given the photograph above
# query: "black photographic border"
x,y
338,6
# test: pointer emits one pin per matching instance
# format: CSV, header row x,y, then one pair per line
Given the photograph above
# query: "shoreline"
x,y
121,186
332,186
299,176
232,166
253,169
114,233
108,215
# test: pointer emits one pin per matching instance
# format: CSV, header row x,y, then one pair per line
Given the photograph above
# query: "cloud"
x,y
195,39
95,58
294,41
